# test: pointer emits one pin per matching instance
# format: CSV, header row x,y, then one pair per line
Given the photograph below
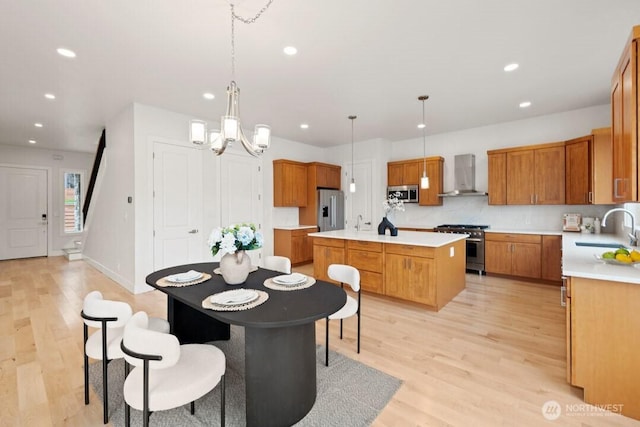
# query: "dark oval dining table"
x,y
280,339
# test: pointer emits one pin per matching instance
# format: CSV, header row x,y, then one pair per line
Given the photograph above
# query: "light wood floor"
x,y
492,356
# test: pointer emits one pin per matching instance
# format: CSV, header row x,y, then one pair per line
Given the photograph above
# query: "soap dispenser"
x,y
596,225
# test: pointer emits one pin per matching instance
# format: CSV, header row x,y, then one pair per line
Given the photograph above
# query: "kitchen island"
x,y
422,267
603,343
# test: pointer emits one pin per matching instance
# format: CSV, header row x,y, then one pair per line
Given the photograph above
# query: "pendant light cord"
x,y
352,118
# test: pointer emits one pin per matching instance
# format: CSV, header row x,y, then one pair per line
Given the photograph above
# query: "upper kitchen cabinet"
x,y
624,122
405,172
289,183
533,175
497,178
323,175
588,169
435,168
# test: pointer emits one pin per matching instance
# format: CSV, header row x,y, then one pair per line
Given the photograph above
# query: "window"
x,y
72,202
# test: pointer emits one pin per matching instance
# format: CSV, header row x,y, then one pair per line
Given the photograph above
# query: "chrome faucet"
x,y
632,236
358,222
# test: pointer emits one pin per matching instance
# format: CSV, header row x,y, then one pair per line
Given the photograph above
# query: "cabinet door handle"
x,y
532,199
616,181
194,231
590,196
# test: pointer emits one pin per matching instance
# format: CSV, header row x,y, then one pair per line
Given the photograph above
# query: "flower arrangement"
x,y
392,203
236,237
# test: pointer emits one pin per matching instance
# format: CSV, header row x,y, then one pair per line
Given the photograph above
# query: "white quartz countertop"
x,y
294,227
579,261
415,238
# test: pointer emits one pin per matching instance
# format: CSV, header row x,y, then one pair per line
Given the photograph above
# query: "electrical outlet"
x,y
452,252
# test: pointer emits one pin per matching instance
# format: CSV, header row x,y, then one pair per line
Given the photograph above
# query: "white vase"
x,y
235,267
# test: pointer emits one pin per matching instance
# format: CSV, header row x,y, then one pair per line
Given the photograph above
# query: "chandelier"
x,y
424,180
230,126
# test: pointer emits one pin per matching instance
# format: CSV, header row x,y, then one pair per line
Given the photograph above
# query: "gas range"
x,y
475,242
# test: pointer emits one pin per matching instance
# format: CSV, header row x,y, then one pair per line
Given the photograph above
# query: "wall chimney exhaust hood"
x,y
465,177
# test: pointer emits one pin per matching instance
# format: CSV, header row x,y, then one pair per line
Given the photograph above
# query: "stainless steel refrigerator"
x,y
330,210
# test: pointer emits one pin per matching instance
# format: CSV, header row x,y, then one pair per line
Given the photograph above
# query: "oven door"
x,y
475,254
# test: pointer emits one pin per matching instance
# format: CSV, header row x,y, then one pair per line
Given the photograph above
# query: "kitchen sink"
x,y
600,244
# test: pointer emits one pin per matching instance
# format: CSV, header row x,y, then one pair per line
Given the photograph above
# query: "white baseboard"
x,y
111,274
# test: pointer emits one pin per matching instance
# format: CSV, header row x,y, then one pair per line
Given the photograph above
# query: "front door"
x,y
177,205
23,212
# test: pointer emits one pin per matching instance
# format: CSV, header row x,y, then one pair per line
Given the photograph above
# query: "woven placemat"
x,y
269,283
262,297
253,268
164,283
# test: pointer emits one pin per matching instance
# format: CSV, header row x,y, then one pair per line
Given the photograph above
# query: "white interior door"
x,y
23,212
359,203
240,178
177,205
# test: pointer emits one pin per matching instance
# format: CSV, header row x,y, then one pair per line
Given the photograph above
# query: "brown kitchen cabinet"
x,y
294,244
588,171
368,259
533,175
602,321
513,254
289,183
326,252
497,178
624,121
319,175
410,273
551,262
404,172
435,172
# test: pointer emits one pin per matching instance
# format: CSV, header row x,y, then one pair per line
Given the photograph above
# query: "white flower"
x,y
393,204
215,236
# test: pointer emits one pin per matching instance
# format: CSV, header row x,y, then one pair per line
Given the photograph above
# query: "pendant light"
x,y
424,180
352,185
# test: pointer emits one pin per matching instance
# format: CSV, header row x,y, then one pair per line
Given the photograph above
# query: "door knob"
x,y
194,231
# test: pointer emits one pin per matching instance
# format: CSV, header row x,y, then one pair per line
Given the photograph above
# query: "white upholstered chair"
x,y
345,274
278,263
166,374
109,317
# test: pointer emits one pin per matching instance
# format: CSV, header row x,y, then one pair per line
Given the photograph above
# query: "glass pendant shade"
x,y
262,137
230,126
216,141
198,132
424,182
352,186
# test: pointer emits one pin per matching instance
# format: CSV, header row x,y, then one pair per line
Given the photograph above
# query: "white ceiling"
x,y
370,58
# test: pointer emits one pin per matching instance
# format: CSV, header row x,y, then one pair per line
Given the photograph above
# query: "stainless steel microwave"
x,y
406,193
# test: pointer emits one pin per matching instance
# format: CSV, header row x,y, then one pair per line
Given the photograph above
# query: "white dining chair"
x,y
278,263
345,274
109,317
166,374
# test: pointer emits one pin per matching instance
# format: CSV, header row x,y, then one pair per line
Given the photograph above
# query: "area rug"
x,y
349,393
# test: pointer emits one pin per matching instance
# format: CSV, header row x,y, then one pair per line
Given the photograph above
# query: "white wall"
x,y
110,243
55,162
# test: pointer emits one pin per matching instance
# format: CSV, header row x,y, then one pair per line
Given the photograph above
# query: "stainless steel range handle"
x,y
473,240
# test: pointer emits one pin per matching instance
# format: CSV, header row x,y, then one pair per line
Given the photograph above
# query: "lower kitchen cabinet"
x,y
368,259
294,244
513,254
603,341
326,252
410,278
551,262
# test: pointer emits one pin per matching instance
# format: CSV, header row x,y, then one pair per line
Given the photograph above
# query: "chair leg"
x,y
358,330
326,344
86,365
192,407
222,401
127,415
105,362
340,328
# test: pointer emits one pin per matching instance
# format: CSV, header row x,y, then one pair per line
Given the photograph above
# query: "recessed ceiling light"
x,y
66,52
208,95
290,50
511,67
422,126
304,126
49,96
38,125
525,104
32,141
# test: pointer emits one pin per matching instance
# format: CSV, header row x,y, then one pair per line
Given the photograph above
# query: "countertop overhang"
x,y
415,238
